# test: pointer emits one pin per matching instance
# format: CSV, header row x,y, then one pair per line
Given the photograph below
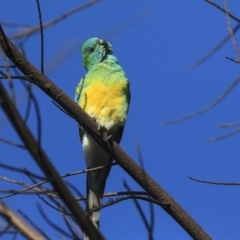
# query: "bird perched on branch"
x,y
104,94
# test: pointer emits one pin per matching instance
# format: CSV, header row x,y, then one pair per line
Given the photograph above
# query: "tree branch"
x,y
138,174
18,223
35,149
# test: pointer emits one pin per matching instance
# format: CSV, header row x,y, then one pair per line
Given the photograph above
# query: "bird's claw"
x,y
108,137
98,124
103,130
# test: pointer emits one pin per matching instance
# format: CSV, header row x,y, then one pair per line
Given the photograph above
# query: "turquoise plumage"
x,y
105,95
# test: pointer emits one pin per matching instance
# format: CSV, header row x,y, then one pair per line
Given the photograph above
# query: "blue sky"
x,y
154,42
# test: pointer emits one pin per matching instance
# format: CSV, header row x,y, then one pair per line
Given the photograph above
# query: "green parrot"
x,y
103,93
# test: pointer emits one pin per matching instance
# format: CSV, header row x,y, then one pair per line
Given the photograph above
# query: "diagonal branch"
x,y
138,174
35,29
37,152
13,219
206,108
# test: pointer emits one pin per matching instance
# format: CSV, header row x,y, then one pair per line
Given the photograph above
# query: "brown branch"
x,y
230,30
12,143
35,29
41,36
34,148
33,224
111,201
20,170
70,228
224,136
141,213
208,107
228,125
223,10
73,47
13,219
233,60
44,191
138,174
222,42
216,183
212,51
52,224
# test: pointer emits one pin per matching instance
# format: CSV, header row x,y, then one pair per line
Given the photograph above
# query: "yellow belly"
x,y
108,104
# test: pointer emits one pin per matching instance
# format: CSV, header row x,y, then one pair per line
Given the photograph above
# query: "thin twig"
x,y
9,78
208,107
18,223
33,224
11,24
223,10
215,183
67,14
75,236
230,29
108,33
37,111
12,143
52,224
212,51
127,163
141,213
10,66
228,125
233,60
41,36
150,225
223,136
111,201
20,170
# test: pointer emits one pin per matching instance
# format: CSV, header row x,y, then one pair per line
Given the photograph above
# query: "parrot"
x,y
104,94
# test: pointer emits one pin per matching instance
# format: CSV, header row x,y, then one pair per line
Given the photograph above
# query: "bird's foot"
x,y
98,124
108,137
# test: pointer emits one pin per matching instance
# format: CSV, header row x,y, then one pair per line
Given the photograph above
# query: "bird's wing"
x,y
79,90
77,98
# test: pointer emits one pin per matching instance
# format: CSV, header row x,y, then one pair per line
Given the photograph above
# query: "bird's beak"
x,y
102,42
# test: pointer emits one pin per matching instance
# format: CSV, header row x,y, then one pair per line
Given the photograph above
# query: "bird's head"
x,y
94,51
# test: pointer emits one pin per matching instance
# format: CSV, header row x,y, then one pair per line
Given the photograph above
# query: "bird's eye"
x,y
91,49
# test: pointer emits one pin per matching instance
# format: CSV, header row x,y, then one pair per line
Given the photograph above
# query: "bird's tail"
x,y
96,181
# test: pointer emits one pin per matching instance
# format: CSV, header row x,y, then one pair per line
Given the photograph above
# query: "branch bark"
x,y
138,174
14,220
38,153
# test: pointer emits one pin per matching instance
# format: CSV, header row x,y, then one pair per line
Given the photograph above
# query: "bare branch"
x,y
230,30
33,224
39,155
111,201
41,36
12,143
35,29
69,225
233,60
17,169
212,51
139,175
222,42
18,223
223,136
52,224
223,10
143,216
36,186
208,107
215,183
227,125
